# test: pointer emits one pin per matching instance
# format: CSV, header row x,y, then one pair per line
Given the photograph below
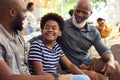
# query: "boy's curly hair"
x,y
52,16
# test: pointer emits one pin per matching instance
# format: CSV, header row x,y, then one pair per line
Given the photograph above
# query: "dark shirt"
x,y
35,39
76,43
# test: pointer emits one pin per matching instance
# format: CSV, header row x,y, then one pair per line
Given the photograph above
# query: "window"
x,y
113,16
112,7
113,0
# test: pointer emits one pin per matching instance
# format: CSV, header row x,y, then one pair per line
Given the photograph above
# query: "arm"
x,y
106,55
38,69
73,68
7,74
108,27
109,67
99,45
36,58
100,28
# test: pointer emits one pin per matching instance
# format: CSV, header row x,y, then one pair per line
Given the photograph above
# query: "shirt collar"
x,y
4,32
87,27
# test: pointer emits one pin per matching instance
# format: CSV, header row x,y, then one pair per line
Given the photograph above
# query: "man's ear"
x,y
12,12
91,12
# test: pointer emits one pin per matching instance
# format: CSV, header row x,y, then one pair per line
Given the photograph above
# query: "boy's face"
x,y
51,30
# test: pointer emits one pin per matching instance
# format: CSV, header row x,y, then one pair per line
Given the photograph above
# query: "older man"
x,y
78,37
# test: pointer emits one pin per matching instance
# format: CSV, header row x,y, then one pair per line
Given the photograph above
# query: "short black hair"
x,y
29,5
52,16
100,19
71,12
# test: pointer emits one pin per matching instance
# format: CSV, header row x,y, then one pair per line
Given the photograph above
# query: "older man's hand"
x,y
109,69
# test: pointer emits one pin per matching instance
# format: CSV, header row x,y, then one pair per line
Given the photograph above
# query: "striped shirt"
x,y
49,58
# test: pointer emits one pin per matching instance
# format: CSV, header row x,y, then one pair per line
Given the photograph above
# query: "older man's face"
x,y
82,11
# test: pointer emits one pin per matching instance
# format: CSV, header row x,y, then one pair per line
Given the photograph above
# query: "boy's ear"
x,y
60,33
41,30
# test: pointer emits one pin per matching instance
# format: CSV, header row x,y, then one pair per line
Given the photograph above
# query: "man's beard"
x,y
78,25
17,24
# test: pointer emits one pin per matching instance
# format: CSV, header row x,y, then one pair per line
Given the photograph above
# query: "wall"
x,y
113,11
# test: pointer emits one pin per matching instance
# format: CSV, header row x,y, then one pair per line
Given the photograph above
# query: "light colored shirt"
x,y
9,50
30,20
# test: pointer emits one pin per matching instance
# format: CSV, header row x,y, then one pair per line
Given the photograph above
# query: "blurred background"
x,y
108,9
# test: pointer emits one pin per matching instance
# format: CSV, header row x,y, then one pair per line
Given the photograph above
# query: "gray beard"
x,y
78,25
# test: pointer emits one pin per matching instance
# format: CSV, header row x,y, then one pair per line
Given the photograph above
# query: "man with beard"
x,y
78,37
12,13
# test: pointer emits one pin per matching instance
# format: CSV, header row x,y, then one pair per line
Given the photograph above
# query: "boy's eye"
x,y
54,27
48,27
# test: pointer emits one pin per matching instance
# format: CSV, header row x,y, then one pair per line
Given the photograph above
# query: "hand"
x,y
109,69
84,67
65,77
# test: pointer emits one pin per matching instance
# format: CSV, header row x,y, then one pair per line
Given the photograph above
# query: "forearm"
x,y
75,70
108,57
109,68
40,77
69,65
41,73
29,77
